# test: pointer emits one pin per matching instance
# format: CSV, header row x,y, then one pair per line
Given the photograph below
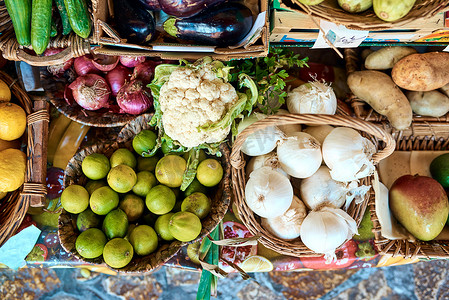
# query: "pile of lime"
x,y
133,204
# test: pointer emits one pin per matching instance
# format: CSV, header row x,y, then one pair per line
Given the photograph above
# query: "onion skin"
x,y
105,63
91,91
145,71
84,65
133,98
117,78
131,61
58,70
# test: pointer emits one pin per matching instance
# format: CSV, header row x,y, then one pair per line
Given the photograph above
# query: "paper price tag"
x,y
339,36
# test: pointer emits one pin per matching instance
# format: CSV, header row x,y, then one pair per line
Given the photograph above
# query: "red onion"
x,y
84,65
133,99
90,91
117,78
131,61
58,70
145,71
105,63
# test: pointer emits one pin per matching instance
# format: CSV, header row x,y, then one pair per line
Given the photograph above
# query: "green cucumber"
x,y
54,29
20,14
66,28
78,17
40,25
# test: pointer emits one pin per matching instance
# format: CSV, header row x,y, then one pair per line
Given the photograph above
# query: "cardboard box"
x,y
111,44
293,27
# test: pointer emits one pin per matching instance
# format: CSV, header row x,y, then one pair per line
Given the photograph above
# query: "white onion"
x,y
266,160
312,98
287,225
300,155
321,189
348,154
288,129
268,193
319,132
324,230
262,141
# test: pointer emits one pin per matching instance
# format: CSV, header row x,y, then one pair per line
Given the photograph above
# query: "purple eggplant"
x,y
223,25
186,8
152,5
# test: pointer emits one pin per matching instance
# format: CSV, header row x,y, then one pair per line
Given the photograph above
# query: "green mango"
x,y
355,6
392,10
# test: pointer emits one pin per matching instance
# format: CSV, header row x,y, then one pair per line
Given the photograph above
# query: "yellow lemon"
x,y
13,121
5,92
12,169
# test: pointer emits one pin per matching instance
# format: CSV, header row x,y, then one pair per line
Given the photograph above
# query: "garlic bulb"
x,y
262,141
266,160
300,155
319,132
288,129
326,229
348,154
287,225
320,188
268,193
312,98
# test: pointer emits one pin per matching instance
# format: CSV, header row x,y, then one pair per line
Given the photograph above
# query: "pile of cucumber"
x,y
34,25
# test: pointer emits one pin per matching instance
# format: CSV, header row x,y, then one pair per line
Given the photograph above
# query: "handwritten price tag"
x,y
339,36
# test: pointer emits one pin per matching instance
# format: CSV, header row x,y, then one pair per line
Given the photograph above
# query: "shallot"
x,y
84,65
90,91
133,98
131,61
117,78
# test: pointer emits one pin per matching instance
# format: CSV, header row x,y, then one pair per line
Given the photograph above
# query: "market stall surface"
x,y
423,280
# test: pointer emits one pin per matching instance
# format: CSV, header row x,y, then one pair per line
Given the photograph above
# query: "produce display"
x,y
132,204
35,22
416,85
206,22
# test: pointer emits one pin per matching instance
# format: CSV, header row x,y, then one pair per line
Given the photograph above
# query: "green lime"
x,y
103,200
75,199
133,206
118,253
439,168
209,172
144,240
144,141
95,166
160,200
92,185
170,170
145,182
197,203
115,224
192,252
87,219
90,243
194,187
122,178
147,163
123,156
161,227
184,226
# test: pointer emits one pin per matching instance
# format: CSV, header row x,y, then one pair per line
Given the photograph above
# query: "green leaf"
x,y
192,165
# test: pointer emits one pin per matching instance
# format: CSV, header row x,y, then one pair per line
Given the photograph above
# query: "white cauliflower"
x,y
192,98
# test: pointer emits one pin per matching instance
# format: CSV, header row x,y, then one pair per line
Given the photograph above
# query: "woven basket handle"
x,y
290,119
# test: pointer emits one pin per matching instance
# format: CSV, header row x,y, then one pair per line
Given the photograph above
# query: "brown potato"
x,y
380,92
387,57
432,103
422,72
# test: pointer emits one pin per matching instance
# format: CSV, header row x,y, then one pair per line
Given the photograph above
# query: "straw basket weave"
x,y
15,205
361,109
421,137
329,10
75,45
140,264
238,161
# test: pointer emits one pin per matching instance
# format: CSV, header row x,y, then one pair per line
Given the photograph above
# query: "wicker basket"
x,y
75,45
73,175
363,110
421,137
238,160
329,10
15,205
